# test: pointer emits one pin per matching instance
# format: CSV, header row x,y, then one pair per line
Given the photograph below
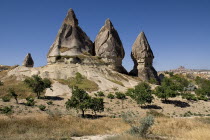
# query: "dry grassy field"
x,y
55,127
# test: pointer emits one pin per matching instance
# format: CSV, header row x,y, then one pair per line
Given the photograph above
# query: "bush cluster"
x,y
142,129
6,109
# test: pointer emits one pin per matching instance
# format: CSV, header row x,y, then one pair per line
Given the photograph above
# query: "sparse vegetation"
x,y
153,81
100,94
6,98
6,110
142,129
81,82
1,83
120,96
30,101
13,94
49,102
110,96
42,107
116,82
19,87
129,117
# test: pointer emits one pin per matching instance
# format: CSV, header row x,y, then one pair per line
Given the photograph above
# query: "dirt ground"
x,y
175,107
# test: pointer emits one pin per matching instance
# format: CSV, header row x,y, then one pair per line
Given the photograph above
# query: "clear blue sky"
x,y
178,30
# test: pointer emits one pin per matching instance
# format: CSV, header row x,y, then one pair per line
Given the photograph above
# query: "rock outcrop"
x,y
28,61
109,47
142,56
71,40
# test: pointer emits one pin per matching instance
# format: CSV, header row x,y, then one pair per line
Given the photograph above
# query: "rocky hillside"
x,y
100,63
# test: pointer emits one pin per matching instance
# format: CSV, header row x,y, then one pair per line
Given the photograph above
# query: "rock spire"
x,y
28,61
142,56
109,47
71,40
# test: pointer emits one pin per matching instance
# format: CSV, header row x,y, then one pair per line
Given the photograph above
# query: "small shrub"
x,y
187,114
204,98
153,81
6,98
30,101
13,94
190,97
155,113
120,95
110,96
78,77
100,93
128,117
6,110
142,130
1,83
49,102
42,107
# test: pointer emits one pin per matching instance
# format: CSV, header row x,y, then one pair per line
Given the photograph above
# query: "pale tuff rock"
x,y
109,47
28,61
71,40
142,56
58,89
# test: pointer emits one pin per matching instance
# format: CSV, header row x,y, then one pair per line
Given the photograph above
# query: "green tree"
x,y
13,94
37,84
120,96
165,92
203,87
170,87
97,104
79,100
142,93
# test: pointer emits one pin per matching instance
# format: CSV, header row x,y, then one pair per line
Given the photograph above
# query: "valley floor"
x,y
176,119
47,127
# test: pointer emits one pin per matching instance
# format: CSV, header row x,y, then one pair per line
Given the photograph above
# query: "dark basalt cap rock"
x,y
71,40
28,61
108,43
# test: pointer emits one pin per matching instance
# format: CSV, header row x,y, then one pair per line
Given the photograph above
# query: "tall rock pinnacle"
x,y
142,56
28,61
109,47
71,40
